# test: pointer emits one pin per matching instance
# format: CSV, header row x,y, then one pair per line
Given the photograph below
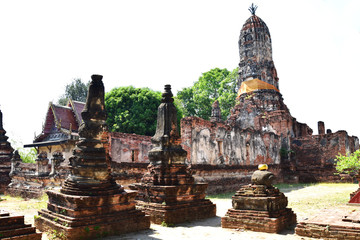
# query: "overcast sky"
x,y
44,45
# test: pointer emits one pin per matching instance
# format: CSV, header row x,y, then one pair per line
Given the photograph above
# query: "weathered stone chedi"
x,y
90,204
259,206
168,192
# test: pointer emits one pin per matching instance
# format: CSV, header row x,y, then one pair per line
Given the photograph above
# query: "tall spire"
x,y
256,63
252,8
166,128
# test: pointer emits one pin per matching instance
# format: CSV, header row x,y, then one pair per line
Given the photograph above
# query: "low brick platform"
x,y
259,221
89,217
178,213
174,204
13,227
340,223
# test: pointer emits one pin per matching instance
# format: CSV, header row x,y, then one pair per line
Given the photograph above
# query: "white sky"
x,y
44,45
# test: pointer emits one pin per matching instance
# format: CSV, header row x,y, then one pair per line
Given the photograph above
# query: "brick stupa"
x,y
168,192
5,157
90,204
259,206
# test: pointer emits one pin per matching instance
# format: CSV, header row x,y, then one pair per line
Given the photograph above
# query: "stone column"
x,y
321,128
56,159
42,165
15,162
215,112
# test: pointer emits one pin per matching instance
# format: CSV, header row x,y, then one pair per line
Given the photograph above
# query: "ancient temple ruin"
x,y
260,128
90,204
167,191
30,180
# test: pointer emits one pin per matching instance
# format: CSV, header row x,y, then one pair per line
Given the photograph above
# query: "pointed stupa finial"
x,y
167,96
253,8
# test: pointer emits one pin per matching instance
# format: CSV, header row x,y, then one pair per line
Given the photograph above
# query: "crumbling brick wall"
x,y
314,156
126,147
203,140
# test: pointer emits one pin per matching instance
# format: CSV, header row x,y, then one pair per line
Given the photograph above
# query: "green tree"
x,y
216,84
349,163
27,155
76,90
132,110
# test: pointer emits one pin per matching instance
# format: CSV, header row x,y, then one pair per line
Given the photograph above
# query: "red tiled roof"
x,y
78,107
62,116
49,121
65,117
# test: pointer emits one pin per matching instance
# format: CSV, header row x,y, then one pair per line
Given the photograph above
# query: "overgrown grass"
x,y
311,199
21,204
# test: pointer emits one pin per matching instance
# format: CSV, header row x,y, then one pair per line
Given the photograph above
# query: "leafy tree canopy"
x,y
349,163
76,90
132,110
216,84
27,155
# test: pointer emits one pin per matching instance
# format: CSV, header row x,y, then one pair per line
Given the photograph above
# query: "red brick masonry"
x,y
340,223
13,227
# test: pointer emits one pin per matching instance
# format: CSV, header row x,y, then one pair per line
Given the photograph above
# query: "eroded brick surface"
x,y
336,223
14,227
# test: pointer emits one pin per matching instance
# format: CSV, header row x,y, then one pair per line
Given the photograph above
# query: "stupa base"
x,y
178,213
89,217
259,221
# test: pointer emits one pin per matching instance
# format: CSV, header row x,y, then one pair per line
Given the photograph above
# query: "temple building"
x,y
260,128
60,130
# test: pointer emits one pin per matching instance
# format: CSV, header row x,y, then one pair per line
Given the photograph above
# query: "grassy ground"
x,y
19,204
